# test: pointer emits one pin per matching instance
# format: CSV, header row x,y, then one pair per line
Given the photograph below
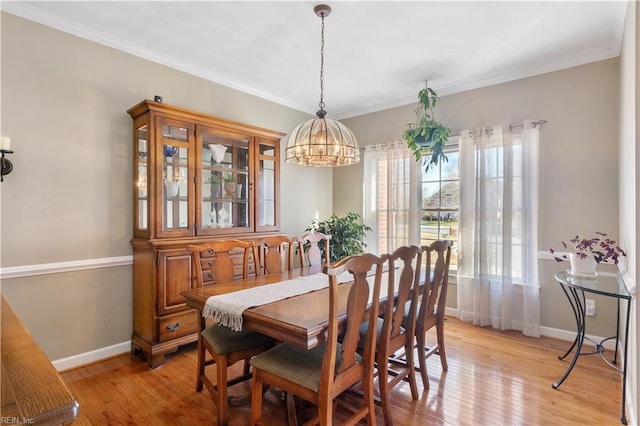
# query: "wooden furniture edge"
x,y
36,392
201,118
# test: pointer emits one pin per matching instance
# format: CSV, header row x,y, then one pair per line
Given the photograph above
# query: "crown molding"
x,y
565,63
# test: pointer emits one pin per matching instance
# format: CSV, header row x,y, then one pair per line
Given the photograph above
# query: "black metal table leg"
x,y
575,315
615,354
579,312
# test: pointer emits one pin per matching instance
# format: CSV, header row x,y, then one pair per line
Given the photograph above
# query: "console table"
x,y
574,288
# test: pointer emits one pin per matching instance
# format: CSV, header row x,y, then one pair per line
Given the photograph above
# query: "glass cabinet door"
x,y
267,188
141,225
175,151
224,186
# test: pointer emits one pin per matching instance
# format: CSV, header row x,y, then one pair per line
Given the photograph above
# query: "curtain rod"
x,y
534,124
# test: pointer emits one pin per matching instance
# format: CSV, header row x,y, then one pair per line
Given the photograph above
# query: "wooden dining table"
x,y
300,320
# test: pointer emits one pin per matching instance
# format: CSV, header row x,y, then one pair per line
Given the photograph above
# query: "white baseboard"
x,y
554,332
451,312
570,335
91,356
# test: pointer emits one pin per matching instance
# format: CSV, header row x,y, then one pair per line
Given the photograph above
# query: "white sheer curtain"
x,y
497,266
389,207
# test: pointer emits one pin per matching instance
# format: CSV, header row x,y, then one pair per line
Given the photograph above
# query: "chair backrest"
x,y
360,267
213,264
397,324
275,253
434,294
309,249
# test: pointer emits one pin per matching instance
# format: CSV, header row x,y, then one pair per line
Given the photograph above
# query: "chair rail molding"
x,y
68,266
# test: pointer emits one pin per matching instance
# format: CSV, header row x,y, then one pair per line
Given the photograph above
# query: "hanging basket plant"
x,y
426,135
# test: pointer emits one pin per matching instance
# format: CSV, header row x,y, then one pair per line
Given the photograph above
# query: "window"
x,y
390,201
404,204
439,209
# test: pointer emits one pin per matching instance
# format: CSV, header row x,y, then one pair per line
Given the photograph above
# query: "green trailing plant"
x,y
427,135
347,235
228,178
215,179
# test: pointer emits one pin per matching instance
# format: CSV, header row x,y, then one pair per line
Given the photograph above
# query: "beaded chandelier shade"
x,y
322,142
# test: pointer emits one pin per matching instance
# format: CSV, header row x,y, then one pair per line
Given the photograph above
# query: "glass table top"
x,y
608,284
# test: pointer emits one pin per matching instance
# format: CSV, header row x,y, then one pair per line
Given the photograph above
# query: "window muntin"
x,y
439,211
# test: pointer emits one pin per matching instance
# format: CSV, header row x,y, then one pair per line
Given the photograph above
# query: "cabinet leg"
x,y
152,360
155,360
135,350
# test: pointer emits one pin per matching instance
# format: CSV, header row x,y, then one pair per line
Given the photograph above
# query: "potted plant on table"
x,y
588,252
426,134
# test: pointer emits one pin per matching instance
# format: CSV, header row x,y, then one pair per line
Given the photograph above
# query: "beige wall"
x,y
629,184
75,312
578,157
64,101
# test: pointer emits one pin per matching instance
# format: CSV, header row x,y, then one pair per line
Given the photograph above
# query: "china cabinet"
x,y
196,178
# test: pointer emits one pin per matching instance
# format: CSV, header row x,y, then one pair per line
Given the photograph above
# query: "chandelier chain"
x,y
321,104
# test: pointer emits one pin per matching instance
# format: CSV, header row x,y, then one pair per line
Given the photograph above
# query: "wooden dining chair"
x,y
396,327
275,253
430,313
309,249
321,374
213,264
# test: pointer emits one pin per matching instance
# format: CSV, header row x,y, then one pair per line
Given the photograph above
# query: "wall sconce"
x,y
6,166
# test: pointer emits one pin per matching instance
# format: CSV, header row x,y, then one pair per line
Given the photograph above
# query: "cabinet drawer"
x,y
178,325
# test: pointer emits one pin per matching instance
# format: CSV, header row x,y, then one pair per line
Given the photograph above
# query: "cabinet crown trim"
x,y
200,118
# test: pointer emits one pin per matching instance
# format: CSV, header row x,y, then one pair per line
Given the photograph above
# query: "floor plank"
x,y
494,378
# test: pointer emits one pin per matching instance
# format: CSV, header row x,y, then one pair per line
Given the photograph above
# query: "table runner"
x,y
227,309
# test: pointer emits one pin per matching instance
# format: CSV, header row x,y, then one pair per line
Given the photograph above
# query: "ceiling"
x,y
377,54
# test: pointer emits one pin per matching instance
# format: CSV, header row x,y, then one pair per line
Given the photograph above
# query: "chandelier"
x,y
322,142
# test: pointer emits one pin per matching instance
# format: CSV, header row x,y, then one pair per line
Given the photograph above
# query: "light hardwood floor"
x,y
494,378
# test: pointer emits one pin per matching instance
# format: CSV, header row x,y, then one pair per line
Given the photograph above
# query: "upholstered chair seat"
x,y
225,341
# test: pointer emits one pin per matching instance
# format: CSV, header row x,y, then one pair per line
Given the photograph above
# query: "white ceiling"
x,y
377,54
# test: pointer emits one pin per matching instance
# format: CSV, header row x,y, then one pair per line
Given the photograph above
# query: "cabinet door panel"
x,y
141,176
174,277
223,186
267,186
175,178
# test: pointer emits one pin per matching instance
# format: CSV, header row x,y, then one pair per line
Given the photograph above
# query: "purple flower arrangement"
x,y
600,247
